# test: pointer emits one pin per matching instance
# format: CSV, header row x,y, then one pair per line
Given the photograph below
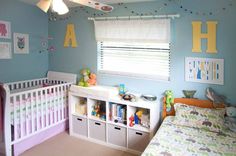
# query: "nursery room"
x,y
117,77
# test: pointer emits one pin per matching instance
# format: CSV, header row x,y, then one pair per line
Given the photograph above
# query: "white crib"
x,y
33,107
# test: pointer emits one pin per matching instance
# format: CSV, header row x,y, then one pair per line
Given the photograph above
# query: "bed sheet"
x,y
177,140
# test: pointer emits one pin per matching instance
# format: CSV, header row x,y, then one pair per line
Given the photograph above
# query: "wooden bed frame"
x,y
188,101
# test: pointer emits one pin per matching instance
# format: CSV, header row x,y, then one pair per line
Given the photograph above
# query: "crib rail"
x,y
26,83
36,110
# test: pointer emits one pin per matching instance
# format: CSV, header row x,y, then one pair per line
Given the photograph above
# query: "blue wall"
x,y
25,19
85,55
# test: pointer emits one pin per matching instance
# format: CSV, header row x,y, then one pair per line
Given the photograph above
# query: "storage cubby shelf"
x,y
111,121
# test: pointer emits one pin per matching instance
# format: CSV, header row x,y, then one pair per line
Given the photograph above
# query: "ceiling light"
x,y
44,5
60,7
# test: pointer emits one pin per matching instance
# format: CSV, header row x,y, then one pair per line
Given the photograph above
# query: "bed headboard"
x,y
66,77
188,101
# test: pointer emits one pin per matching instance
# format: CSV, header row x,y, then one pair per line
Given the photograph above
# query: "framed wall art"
x,y
204,70
5,50
5,29
21,43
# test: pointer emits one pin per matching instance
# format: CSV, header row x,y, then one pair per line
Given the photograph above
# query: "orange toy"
x,y
92,79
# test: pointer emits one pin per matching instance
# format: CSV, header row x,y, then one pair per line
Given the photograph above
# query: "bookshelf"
x,y
99,115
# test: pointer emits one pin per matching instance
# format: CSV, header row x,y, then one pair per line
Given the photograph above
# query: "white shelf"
x,y
140,128
79,115
117,124
96,127
96,119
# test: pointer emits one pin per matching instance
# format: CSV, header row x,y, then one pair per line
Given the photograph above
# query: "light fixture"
x,y
44,4
60,7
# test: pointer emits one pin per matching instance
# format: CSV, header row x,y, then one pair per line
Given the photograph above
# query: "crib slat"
x,y
57,103
32,112
46,104
51,107
37,109
21,116
15,117
63,101
66,101
26,114
42,110
54,105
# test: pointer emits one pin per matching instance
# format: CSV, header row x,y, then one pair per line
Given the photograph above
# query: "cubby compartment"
x,y
139,118
117,135
80,105
117,113
80,125
97,109
137,140
97,130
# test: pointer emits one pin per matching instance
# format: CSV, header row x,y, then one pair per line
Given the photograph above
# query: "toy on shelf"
x,y
88,78
140,117
92,79
131,121
169,100
99,110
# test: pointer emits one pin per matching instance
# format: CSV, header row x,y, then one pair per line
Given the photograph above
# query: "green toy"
x,y
169,99
85,77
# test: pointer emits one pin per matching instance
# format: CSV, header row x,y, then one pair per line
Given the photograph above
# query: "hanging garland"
x,y
190,11
55,17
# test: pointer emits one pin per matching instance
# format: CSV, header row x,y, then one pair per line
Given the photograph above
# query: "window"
x,y
137,48
146,60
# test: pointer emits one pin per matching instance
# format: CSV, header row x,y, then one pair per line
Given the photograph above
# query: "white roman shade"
x,y
149,31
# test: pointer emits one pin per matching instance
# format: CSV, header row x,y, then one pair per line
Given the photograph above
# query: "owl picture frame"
x,y
21,43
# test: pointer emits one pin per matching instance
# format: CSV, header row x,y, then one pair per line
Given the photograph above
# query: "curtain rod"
x,y
173,16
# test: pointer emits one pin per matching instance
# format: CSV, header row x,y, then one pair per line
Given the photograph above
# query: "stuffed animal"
x,y
85,77
92,79
169,99
231,118
88,78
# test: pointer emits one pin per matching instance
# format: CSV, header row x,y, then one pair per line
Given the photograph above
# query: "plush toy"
x,y
88,78
230,120
169,100
92,79
131,121
85,77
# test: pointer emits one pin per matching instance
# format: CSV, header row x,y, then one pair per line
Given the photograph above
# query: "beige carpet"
x,y
65,145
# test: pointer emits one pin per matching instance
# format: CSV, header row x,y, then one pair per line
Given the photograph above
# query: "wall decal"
x,y
21,43
5,29
5,50
210,36
204,70
70,37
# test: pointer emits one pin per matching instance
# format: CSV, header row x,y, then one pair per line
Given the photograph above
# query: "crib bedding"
x,y
176,140
52,104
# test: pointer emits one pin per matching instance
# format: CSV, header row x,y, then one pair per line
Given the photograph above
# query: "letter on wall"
x,y
210,36
70,38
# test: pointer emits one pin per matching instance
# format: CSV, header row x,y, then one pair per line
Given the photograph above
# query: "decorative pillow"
x,y
204,118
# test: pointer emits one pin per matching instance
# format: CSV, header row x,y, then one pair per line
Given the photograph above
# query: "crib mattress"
x,y
177,140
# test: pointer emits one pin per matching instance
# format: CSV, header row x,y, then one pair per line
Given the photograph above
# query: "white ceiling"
x,y
71,4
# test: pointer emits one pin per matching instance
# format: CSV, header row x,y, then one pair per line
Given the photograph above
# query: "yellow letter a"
x,y
210,36
70,36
